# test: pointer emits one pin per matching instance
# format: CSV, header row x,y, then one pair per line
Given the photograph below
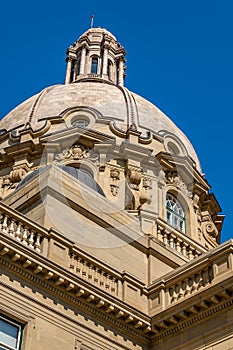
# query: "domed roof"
x,y
97,31
111,101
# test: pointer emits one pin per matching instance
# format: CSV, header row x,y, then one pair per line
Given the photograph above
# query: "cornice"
x,y
37,269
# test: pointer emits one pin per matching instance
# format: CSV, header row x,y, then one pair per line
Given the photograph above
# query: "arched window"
x,y
78,67
109,69
94,65
175,212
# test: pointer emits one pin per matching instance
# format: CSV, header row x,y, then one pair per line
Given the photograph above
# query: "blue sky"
x,y
179,56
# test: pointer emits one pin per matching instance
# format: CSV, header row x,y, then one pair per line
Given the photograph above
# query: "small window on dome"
x,y
173,149
175,213
81,123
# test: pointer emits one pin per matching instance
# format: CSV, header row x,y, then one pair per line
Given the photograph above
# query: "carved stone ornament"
x,y
172,178
134,176
209,229
115,177
9,182
145,195
17,175
76,152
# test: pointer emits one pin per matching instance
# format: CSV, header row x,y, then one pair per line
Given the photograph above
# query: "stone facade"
x,y
109,234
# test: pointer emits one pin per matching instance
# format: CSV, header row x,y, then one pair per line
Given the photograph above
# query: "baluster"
x,y
78,267
95,274
31,239
205,277
72,262
84,269
178,245
107,281
183,249
11,228
190,255
18,232
165,238
90,272
187,286
174,295
37,244
194,284
181,291
99,274
114,285
160,233
171,241
4,225
101,279
25,236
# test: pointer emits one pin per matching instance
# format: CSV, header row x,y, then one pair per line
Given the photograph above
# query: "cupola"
x,y
96,55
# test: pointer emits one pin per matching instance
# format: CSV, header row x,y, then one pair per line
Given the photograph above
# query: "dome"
x,y
96,31
110,101
95,80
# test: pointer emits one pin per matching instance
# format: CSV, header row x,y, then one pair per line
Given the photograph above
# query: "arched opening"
x,y
109,71
78,67
94,65
175,213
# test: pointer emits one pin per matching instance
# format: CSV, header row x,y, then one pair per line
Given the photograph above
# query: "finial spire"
x,y
92,20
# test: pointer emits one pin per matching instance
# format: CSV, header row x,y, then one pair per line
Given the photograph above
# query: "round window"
x,y
173,149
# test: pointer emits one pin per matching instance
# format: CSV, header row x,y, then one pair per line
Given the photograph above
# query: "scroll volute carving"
x,y
9,182
17,175
209,229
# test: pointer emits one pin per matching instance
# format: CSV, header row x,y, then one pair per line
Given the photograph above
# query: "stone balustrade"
x,y
20,228
96,274
178,241
189,285
196,277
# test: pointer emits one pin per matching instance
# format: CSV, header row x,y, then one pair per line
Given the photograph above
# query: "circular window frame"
x,y
171,142
80,114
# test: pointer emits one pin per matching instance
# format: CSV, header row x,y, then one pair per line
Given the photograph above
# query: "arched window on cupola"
x,y
175,212
109,72
94,65
78,66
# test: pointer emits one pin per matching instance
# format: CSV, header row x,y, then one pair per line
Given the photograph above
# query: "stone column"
x,y
105,61
82,62
68,70
121,73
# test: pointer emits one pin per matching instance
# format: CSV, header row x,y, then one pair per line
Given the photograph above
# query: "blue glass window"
x,y
94,65
10,334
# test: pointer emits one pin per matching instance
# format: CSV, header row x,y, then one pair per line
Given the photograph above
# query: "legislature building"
x,y
110,236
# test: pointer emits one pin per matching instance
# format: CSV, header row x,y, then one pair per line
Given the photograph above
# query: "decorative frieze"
x,y
76,152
